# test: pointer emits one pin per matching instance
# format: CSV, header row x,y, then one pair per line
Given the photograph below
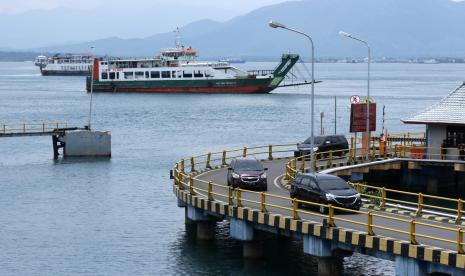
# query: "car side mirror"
x,y
265,169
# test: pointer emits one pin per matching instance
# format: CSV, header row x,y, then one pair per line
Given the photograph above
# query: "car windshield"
x,y
248,165
317,140
333,184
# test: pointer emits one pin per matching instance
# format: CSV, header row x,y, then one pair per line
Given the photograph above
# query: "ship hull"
x,y
64,73
227,86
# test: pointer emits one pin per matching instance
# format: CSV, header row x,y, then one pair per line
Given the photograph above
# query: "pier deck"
x,y
415,243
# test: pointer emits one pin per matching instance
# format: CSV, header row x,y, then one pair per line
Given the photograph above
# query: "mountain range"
x,y
394,28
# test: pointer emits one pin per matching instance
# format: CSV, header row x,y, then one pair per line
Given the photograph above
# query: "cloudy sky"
x,y
36,23
235,6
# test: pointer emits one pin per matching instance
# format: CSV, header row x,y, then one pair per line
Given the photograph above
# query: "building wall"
x,y
436,135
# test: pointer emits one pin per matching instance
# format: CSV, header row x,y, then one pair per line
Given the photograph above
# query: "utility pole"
x,y
335,115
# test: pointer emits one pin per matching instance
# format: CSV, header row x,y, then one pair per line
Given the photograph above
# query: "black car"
x,y
323,144
325,189
247,173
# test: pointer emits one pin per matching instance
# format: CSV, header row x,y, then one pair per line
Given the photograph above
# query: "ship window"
x,y
173,74
186,74
147,75
128,75
198,74
139,75
155,74
117,75
166,74
207,74
104,76
112,75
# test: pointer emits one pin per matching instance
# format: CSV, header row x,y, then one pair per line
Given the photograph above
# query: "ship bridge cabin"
x,y
188,54
445,126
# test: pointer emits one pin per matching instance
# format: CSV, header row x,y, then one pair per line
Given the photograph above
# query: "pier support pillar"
x,y
188,221
206,230
411,267
241,230
330,266
205,224
196,214
244,231
317,246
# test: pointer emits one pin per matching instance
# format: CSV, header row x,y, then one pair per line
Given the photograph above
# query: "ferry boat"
x,y
177,70
65,65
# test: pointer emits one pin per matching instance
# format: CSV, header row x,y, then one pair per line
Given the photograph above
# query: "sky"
x,y
26,24
235,6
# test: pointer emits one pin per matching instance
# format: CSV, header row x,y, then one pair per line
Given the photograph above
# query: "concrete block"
x,y
410,267
241,230
82,143
316,246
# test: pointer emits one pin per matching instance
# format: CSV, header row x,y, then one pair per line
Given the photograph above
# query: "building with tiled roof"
x,y
445,121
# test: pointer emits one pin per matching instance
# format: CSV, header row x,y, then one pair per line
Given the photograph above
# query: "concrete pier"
x,y
410,267
86,143
241,230
206,230
205,224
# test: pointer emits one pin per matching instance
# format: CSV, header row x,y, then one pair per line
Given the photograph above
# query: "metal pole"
x,y
91,87
368,102
335,115
312,152
279,25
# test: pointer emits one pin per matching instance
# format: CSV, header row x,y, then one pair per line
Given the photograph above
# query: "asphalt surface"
x,y
276,171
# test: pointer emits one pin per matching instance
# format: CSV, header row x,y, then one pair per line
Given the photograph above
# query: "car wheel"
x,y
265,188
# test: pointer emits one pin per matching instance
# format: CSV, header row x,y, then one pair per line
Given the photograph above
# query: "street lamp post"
x,y
91,87
274,24
367,133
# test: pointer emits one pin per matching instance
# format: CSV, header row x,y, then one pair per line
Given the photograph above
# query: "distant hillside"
x,y
395,28
17,56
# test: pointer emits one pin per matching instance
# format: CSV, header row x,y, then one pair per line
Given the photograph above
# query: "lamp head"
x,y
341,33
274,24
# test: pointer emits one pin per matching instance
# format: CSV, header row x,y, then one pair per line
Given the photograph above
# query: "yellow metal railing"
x,y
31,128
184,179
417,200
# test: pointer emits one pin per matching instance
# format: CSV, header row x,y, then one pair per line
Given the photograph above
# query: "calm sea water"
x,y
119,216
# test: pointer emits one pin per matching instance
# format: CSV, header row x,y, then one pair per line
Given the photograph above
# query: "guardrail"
x,y
31,128
418,200
184,179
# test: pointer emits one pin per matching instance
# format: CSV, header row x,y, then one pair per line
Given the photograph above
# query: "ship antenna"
x,y
178,38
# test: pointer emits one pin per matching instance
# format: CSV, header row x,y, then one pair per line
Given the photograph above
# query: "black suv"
x,y
247,173
323,144
325,189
